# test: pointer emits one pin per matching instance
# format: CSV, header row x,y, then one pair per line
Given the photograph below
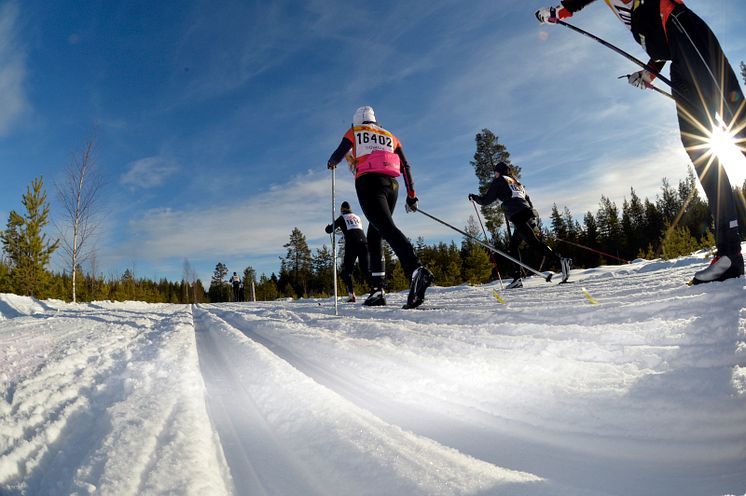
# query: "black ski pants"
x,y
354,250
704,84
523,230
377,195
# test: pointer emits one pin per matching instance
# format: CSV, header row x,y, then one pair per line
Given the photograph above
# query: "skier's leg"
x,y
705,86
378,209
348,265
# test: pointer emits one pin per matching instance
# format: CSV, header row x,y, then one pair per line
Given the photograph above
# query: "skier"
x,y
520,211
236,283
356,246
704,87
377,159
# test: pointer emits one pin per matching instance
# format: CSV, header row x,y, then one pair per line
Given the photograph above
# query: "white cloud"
x,y
148,172
13,101
258,225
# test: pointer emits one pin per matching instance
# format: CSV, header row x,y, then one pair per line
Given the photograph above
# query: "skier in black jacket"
x,y
356,246
704,86
520,211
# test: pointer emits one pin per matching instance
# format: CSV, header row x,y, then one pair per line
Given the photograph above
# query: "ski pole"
x,y
612,47
650,87
546,277
486,238
334,244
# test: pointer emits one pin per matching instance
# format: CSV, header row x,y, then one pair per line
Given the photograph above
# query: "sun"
x,y
722,144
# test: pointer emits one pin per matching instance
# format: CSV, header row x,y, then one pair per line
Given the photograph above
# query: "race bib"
x,y
517,189
352,221
369,139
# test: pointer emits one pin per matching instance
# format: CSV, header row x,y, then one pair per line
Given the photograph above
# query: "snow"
x,y
643,393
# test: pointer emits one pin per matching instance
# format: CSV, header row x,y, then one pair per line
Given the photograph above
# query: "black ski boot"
x,y
376,298
421,280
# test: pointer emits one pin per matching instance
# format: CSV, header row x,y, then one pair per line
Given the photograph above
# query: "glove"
x,y
411,204
328,229
552,14
641,79
331,165
472,197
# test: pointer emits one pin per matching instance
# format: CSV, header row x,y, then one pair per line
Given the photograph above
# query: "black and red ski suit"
x,y
703,85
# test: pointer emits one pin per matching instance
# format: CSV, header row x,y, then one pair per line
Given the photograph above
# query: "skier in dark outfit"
x,y
703,84
376,160
356,246
520,211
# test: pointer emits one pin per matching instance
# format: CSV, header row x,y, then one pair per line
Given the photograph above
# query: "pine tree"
x,y
323,272
489,152
297,264
609,228
678,242
590,239
27,246
219,291
633,219
695,213
476,266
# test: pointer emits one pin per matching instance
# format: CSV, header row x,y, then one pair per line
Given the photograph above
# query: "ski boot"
x,y
351,298
376,298
515,283
421,280
721,268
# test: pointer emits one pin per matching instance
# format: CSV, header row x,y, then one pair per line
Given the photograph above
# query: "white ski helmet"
x,y
363,114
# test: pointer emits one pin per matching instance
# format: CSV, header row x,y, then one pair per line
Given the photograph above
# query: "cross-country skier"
x,y
377,159
703,85
356,246
520,211
236,284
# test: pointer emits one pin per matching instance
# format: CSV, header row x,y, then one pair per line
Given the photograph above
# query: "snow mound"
x,y
12,306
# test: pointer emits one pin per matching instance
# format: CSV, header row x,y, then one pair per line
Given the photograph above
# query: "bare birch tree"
x,y
79,193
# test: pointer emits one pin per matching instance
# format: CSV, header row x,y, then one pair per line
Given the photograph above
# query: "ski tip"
x,y
588,297
498,297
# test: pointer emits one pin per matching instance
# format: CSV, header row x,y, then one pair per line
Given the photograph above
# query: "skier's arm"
x,y
573,6
339,153
491,195
340,224
406,173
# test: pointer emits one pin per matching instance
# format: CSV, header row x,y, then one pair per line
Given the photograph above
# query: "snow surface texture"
x,y
643,393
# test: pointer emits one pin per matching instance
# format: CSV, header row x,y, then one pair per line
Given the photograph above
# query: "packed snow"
x,y
643,393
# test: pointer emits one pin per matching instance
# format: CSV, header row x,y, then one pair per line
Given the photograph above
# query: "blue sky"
x,y
214,120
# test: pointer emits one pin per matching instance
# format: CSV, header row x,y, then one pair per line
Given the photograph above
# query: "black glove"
x,y
328,229
472,197
411,204
331,165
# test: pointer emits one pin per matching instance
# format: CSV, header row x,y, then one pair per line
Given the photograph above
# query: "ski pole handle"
x,y
652,87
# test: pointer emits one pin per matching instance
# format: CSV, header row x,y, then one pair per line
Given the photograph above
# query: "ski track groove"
x,y
255,483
